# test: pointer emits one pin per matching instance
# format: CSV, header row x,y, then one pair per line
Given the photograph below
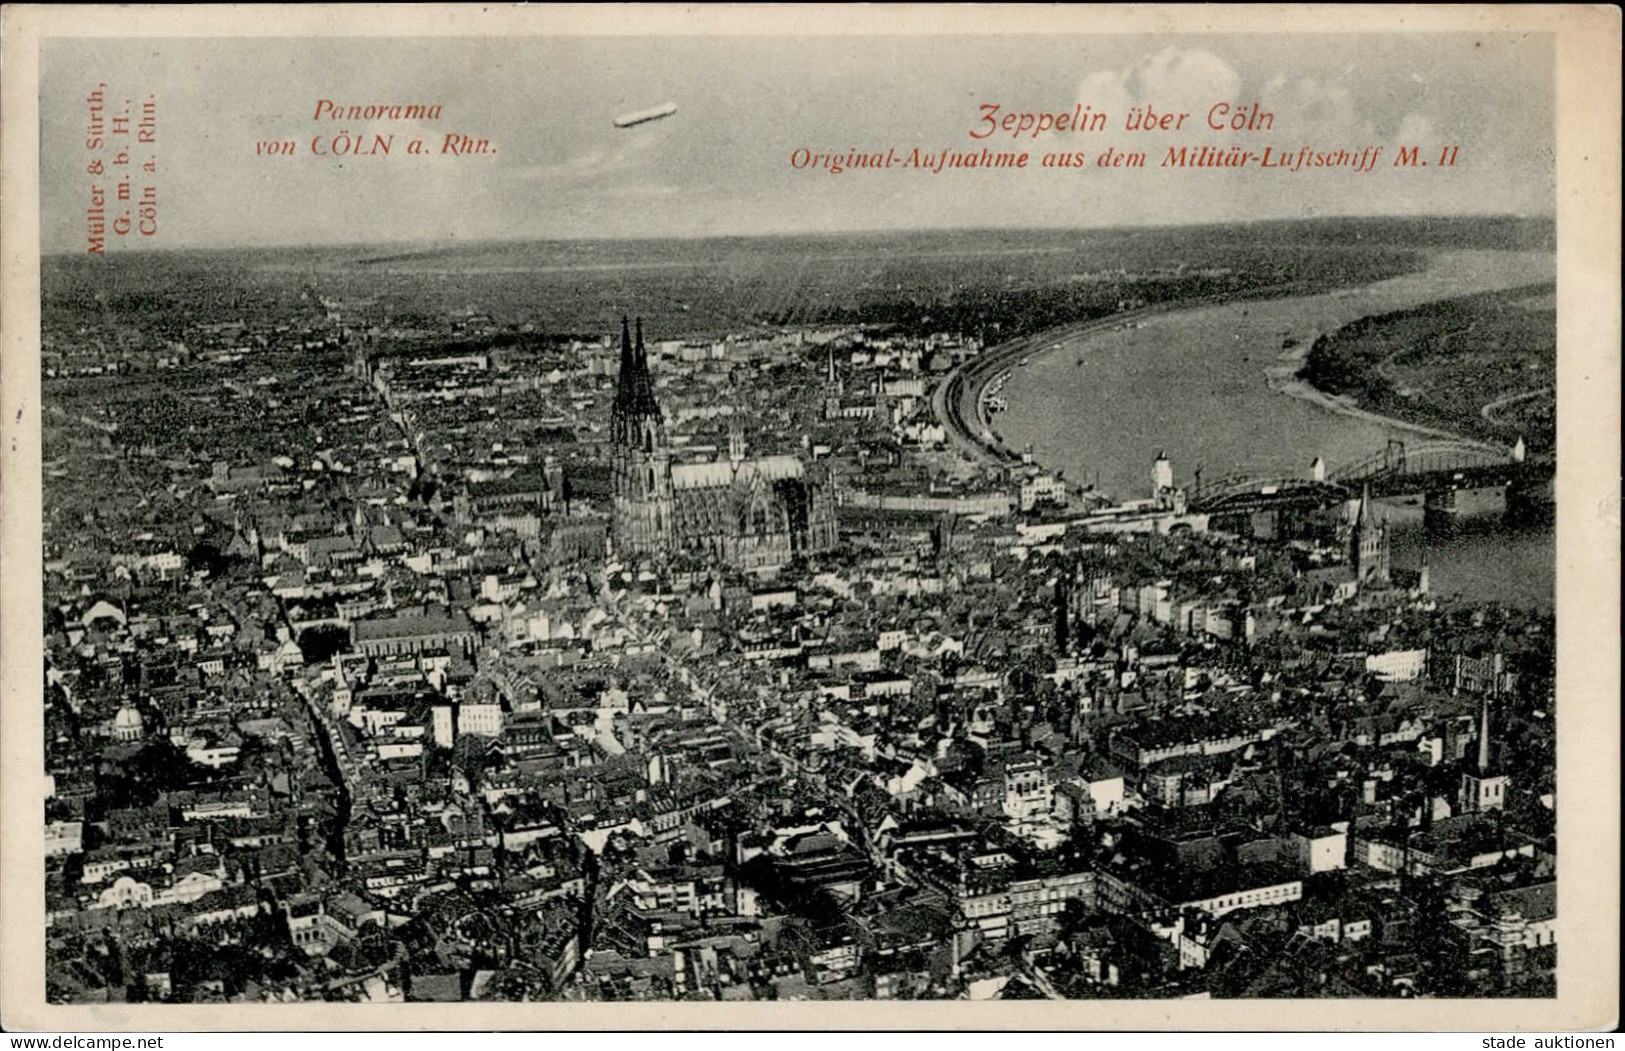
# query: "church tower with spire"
x,y
1368,544
642,462
1483,786
834,390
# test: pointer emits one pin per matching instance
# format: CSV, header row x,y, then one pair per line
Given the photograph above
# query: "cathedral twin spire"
x,y
634,403
739,514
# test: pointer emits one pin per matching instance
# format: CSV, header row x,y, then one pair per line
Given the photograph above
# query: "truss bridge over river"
x,y
1436,470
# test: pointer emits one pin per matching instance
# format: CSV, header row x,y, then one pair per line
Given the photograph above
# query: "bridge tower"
x,y
1528,501
1168,497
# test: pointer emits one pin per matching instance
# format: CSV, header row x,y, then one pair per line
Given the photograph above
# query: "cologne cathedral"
x,y
750,513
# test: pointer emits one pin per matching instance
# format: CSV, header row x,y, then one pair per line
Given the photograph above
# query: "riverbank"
x,y
1436,366
1282,378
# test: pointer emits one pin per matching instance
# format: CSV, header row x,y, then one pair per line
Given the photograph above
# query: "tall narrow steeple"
x,y
1484,735
634,405
1363,541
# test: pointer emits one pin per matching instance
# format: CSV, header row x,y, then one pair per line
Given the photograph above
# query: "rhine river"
x,y
1194,383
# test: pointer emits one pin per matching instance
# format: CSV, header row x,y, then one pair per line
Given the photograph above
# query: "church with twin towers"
x,y
751,513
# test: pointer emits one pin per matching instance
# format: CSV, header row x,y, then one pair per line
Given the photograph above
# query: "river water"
x,y
1193,383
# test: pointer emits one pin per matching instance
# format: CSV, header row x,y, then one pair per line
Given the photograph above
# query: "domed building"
x,y
128,724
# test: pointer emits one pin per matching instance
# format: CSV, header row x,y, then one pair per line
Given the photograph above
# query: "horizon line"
x,y
444,243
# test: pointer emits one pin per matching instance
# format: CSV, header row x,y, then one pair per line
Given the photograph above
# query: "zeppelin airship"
x,y
642,116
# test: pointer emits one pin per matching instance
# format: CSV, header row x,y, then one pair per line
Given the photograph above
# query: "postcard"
x,y
906,517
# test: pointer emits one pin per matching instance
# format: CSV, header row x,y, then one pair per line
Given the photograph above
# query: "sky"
x,y
722,164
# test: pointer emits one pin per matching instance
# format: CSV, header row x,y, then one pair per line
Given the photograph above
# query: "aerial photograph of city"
x,y
677,539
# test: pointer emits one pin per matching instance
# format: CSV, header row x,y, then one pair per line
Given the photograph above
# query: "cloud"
x,y
1187,79
1316,108
1324,110
1416,130
1107,92
1312,107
